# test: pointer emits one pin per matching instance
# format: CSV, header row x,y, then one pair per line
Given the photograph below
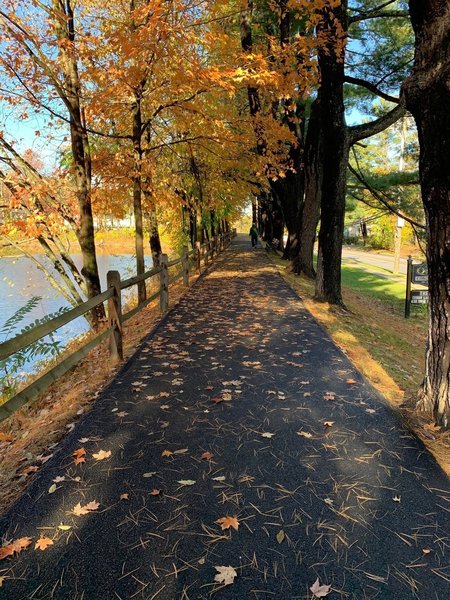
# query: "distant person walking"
x,y
253,233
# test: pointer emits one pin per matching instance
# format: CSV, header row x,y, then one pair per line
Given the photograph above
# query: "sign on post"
x,y
416,274
420,273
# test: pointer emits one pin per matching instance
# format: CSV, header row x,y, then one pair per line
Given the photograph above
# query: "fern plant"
x,y
44,349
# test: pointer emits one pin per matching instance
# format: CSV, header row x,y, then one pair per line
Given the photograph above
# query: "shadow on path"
x,y
319,472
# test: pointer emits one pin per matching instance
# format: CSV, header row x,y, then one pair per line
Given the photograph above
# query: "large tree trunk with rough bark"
x,y
65,31
427,93
332,28
313,168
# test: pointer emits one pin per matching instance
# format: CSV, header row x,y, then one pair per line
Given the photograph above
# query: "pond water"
x,y
20,280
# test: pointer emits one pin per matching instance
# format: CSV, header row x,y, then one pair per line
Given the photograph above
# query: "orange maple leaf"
x,y
79,456
227,522
15,547
43,543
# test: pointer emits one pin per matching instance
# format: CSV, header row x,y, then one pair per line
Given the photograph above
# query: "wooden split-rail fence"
x,y
198,258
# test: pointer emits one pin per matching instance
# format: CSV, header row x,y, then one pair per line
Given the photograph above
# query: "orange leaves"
x,y
79,456
79,510
15,547
43,543
227,522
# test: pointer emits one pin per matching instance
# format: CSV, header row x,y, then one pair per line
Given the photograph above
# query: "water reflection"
x,y
20,280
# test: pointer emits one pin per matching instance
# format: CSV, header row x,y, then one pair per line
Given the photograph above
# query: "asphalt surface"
x,y
323,480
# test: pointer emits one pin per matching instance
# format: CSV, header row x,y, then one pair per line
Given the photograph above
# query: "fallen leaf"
x,y
220,478
329,396
166,453
397,498
123,497
280,536
426,551
155,492
64,527
328,501
149,474
121,414
2,580
59,479
328,423
79,456
320,591
43,543
225,575
207,455
52,488
432,427
370,411
351,381
79,510
29,470
102,454
227,522
266,434
304,434
186,482
182,451
15,547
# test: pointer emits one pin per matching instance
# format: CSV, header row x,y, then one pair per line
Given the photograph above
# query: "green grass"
x,y
388,290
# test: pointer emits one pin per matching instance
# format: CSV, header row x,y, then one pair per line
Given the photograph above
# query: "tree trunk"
x,y
137,192
427,93
152,228
304,261
335,153
65,31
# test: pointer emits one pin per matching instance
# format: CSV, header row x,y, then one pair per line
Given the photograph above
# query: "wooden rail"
x,y
199,256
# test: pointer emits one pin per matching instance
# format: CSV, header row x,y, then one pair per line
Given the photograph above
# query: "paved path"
x,y
316,468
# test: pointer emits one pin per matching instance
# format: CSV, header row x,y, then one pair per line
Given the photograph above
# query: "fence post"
x,y
198,254
164,283
185,266
115,317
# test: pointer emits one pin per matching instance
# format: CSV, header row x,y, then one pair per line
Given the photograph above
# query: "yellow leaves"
x,y
80,510
102,454
43,543
227,522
